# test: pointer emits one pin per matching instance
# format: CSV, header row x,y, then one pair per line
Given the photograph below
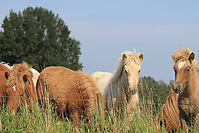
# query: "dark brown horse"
x,y
20,87
187,85
71,92
169,114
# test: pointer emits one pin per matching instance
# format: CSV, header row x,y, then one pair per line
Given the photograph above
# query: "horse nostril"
x,y
173,86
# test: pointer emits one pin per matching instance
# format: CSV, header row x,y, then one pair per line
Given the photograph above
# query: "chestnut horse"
x,y
70,92
3,69
20,87
187,85
34,71
169,114
120,89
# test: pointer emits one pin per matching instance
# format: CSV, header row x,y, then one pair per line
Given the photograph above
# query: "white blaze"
x,y
181,64
14,88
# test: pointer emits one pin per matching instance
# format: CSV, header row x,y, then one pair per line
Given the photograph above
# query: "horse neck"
x,y
31,91
120,83
193,83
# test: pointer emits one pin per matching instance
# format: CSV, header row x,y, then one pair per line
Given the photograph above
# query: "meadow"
x,y
45,119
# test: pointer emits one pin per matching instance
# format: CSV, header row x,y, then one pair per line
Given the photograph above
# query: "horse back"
x,y
102,80
68,89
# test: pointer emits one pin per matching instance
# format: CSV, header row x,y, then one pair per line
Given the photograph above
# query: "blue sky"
x,y
105,29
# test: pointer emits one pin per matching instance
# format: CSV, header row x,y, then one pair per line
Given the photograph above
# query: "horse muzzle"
x,y
133,91
178,87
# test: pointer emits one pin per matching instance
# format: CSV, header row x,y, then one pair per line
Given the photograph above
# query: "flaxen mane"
x,y
16,76
132,58
184,53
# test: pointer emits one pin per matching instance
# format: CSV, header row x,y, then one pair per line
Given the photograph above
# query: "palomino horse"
x,y
3,69
169,114
70,92
187,85
120,89
20,87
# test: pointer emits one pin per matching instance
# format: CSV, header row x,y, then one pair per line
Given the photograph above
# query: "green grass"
x,y
46,120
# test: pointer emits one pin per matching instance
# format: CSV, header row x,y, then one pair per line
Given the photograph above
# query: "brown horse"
x,y
3,70
169,114
20,87
187,85
71,92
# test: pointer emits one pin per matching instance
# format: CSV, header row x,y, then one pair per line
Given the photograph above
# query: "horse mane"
x,y
7,65
131,58
183,54
170,113
87,86
16,75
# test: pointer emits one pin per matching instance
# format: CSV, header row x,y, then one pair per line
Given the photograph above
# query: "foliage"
x,y
153,92
39,38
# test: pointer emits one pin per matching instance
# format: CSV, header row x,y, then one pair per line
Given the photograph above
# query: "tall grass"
x,y
45,119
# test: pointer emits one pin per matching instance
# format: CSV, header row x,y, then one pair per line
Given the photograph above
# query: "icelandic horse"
x,y
120,88
187,86
20,87
34,71
70,92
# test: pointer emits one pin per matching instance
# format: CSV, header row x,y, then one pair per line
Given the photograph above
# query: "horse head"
x,y
19,88
183,69
131,70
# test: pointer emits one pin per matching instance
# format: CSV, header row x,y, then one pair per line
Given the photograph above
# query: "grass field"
x,y
46,120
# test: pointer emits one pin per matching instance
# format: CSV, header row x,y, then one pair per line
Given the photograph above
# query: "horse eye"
x,y
6,93
125,71
187,70
139,71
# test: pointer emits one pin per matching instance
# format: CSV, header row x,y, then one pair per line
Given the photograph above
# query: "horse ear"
x,y
141,56
172,56
124,56
6,75
25,78
191,57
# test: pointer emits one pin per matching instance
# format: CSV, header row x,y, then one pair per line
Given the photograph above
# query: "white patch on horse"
x,y
14,88
181,64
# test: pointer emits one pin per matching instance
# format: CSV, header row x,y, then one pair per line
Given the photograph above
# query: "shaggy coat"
x,y
3,70
20,87
71,92
169,114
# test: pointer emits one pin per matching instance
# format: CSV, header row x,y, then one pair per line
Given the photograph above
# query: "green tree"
x,y
153,92
39,38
